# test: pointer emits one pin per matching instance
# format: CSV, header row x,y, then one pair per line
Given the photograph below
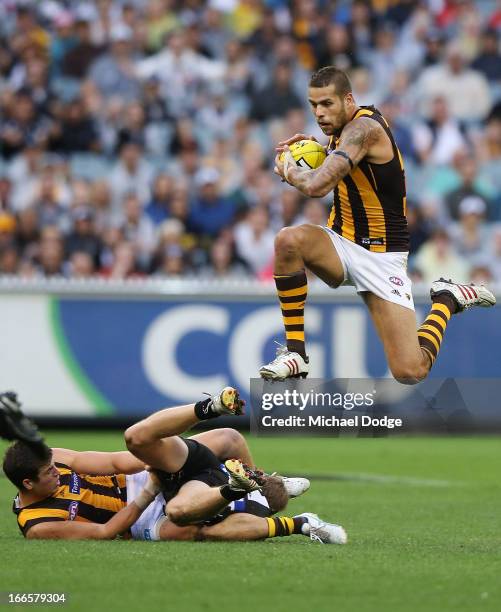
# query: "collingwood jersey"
x,y
369,205
92,499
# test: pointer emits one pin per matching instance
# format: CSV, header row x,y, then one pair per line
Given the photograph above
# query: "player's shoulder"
x,y
362,130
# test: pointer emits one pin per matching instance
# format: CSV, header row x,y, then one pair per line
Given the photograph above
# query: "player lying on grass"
x,y
58,499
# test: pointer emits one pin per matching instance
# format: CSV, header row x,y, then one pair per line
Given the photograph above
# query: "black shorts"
x,y
201,464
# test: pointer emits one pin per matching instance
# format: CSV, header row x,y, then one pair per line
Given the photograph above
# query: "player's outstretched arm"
x,y
98,463
119,523
356,139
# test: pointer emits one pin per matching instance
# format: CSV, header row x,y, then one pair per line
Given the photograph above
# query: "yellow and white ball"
x,y
307,153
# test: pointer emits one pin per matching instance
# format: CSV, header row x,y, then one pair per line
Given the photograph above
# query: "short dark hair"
x,y
329,75
24,460
275,492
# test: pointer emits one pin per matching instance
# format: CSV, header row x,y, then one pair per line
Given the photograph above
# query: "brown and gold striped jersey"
x,y
369,205
92,499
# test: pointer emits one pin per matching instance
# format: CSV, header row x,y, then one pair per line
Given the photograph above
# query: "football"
x,y
307,153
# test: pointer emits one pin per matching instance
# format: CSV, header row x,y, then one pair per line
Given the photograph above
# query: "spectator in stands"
x,y
138,229
22,126
384,61
83,237
171,262
171,244
338,49
315,212
181,71
113,72
278,97
153,103
254,240
81,265
132,173
222,262
77,60
76,132
466,90
481,274
123,264
51,258
488,62
133,126
418,228
49,202
9,257
434,47
159,205
402,133
440,138
439,254
28,233
210,211
471,236
470,186
63,40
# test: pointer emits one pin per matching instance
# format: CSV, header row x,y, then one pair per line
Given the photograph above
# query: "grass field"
x,y
423,518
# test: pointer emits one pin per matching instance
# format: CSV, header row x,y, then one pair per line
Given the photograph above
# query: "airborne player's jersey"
x,y
90,499
369,205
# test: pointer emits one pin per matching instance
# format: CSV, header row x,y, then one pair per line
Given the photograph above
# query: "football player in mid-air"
x,y
65,494
365,242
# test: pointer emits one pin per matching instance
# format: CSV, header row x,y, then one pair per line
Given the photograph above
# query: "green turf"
x,y
427,537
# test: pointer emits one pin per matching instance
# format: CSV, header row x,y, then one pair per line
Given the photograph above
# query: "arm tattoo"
x,y
356,139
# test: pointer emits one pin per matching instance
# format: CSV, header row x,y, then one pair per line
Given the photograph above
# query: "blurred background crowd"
x,y
137,136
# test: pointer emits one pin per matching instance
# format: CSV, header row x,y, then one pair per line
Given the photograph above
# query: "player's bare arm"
x,y
360,137
118,524
224,443
99,463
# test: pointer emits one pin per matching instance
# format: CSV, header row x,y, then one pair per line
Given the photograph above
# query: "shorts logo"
x,y
408,296
147,534
73,510
396,292
372,241
396,281
74,484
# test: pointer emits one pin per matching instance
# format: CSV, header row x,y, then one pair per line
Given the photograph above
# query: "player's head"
x,y
331,99
274,491
30,468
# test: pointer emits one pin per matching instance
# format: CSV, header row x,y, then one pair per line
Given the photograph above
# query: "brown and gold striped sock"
x,y
431,332
292,290
285,525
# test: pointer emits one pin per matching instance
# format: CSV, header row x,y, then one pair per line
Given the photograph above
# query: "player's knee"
x,y
287,240
233,441
408,374
135,437
177,513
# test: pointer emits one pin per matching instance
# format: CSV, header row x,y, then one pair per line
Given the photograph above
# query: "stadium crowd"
x,y
137,136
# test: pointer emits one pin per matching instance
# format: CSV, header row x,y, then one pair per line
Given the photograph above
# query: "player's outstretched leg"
x,y
248,527
411,354
298,248
449,298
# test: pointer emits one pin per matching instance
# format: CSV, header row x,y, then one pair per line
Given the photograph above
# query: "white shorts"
x,y
384,274
147,526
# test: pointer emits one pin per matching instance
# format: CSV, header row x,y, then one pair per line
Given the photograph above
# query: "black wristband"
x,y
230,494
204,410
345,155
